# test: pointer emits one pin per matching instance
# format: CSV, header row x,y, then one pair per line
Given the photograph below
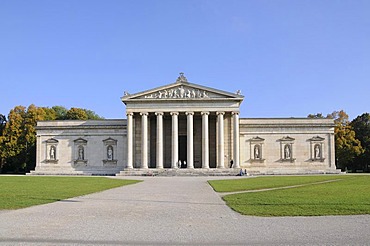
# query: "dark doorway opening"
x,y
183,144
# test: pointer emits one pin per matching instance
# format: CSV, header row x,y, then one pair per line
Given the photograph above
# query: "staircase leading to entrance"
x,y
180,172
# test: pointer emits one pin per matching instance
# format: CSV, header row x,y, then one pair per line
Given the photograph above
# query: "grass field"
x,y
349,195
25,191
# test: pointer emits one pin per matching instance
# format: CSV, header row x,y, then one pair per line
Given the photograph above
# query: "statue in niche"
x,y
287,152
317,152
81,154
257,152
52,153
110,153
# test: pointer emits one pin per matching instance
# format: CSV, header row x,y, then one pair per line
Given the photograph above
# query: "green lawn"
x,y
25,191
348,196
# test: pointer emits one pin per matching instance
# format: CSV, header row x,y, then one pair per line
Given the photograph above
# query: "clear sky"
x,y
289,58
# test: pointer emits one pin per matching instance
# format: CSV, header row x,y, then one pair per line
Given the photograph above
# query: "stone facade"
x,y
81,147
185,126
287,146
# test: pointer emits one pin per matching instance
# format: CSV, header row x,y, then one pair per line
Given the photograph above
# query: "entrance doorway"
x,y
183,150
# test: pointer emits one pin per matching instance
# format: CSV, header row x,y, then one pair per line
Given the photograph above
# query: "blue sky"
x,y
289,58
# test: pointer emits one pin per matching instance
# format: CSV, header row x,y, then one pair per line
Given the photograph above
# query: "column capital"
x,y
220,113
235,113
129,114
159,113
205,113
144,113
174,113
189,113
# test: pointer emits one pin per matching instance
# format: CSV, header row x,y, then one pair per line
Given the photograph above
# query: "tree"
x,y
2,126
361,126
12,142
316,116
91,115
18,134
2,123
81,114
347,146
76,114
60,112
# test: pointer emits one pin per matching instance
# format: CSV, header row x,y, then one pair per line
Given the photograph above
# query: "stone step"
x,y
179,172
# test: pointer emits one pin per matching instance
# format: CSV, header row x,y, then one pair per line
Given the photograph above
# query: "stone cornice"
x,y
285,122
80,127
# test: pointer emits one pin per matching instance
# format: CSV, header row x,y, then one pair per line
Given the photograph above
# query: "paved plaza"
x,y
169,211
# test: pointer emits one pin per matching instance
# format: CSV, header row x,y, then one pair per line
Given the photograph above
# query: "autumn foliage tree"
x,y
18,134
347,146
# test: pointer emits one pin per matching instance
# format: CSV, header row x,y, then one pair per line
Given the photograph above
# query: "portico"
x,y
182,125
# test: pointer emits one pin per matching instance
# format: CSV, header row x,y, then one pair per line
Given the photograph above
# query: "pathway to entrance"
x,y
169,211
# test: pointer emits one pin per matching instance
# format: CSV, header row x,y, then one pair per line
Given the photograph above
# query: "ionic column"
x,y
190,154
159,139
144,140
205,140
175,139
129,140
220,138
236,139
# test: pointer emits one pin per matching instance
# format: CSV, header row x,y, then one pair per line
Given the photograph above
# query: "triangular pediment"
x,y
181,90
52,141
80,141
317,139
110,141
287,138
257,139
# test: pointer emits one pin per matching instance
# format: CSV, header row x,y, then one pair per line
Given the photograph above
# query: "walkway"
x,y
169,211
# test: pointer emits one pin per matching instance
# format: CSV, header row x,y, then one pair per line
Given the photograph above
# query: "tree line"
x,y
352,141
18,133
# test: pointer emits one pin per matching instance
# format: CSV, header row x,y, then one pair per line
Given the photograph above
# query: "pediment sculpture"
x,y
179,92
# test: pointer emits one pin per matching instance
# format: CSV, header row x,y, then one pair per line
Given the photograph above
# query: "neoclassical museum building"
x,y
185,127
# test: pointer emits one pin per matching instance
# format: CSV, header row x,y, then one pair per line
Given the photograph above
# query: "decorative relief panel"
x,y
51,150
256,149
183,92
286,149
110,150
317,149
80,152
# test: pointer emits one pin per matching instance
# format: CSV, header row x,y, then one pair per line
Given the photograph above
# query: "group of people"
x,y
181,164
241,172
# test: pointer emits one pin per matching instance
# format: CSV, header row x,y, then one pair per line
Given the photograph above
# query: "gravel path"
x,y
169,211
